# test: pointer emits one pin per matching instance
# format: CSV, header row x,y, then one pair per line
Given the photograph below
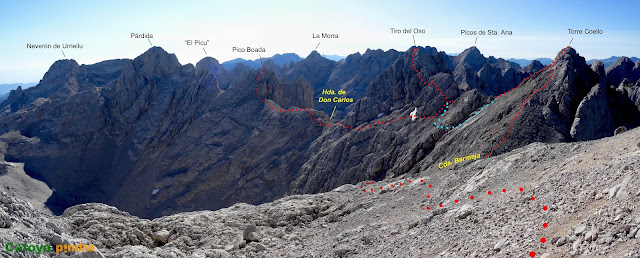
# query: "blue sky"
x,y
540,28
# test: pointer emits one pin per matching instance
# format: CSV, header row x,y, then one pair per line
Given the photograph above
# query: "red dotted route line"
x,y
504,190
417,71
528,98
456,201
380,122
431,83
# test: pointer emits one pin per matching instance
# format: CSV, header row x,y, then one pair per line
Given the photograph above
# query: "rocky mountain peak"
x,y
472,57
208,65
315,69
60,68
533,67
491,75
569,52
570,59
156,60
178,144
471,51
315,55
64,63
622,61
598,67
287,94
271,65
621,69
572,66
373,52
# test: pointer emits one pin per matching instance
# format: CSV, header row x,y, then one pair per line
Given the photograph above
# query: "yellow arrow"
x,y
334,110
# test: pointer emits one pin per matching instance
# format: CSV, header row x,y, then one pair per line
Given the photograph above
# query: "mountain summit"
x,y
184,138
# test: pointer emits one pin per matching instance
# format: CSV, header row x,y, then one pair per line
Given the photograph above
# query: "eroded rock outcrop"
x,y
593,117
622,69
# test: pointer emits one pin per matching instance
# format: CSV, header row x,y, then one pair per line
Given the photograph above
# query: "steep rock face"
x,y
237,150
171,136
399,88
490,75
636,71
624,104
577,80
408,147
533,67
593,117
354,74
470,57
634,95
64,78
493,81
97,147
342,155
396,147
168,135
623,97
270,65
287,95
229,77
620,70
466,66
208,65
598,68
547,116
356,71
314,68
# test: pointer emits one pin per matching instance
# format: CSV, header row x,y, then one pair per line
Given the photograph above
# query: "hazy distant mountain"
x,y
279,59
4,96
333,57
229,65
609,61
6,88
525,62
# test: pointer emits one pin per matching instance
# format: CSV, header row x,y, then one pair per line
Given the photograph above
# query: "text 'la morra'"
x,y
324,36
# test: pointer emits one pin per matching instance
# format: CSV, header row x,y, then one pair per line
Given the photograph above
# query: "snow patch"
x,y
155,191
380,115
413,114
